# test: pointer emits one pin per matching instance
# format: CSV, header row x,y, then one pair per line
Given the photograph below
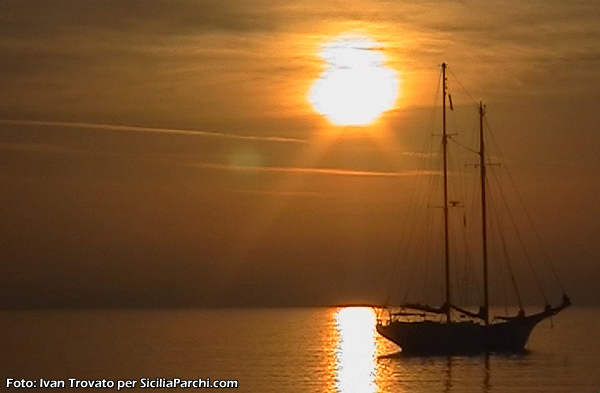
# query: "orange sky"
x,y
167,155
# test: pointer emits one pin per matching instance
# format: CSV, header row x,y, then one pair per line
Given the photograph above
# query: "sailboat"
x,y
425,330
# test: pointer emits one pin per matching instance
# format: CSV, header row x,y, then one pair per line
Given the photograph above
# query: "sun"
x,y
356,87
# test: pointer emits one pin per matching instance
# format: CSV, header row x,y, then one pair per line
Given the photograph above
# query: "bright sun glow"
x,y
356,87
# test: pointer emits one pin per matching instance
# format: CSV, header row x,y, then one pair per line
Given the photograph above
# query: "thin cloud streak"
x,y
309,194
126,128
317,171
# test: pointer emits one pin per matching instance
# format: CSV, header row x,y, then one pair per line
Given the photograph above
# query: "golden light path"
x,y
355,356
356,87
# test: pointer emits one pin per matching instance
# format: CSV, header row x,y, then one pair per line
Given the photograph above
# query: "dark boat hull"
x,y
467,338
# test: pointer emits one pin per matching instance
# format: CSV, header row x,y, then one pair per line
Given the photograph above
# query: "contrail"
x,y
157,130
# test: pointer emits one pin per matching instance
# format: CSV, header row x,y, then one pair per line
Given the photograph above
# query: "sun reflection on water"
x,y
355,356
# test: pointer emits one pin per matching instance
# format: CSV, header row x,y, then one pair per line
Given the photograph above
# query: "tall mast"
x,y
486,308
445,159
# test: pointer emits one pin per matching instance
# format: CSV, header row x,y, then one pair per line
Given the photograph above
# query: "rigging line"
x,y
467,256
476,202
464,146
467,235
533,227
399,248
433,115
428,141
467,201
420,252
504,248
505,301
433,255
405,242
411,215
461,85
415,190
461,273
527,215
527,257
459,240
473,212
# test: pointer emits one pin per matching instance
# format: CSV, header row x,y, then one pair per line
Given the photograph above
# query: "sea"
x,y
275,350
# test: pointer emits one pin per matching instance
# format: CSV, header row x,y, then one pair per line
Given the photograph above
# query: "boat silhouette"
x,y
420,329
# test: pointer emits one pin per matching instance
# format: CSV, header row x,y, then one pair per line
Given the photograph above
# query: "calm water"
x,y
285,350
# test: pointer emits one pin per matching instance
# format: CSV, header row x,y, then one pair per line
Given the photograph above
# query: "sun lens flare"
x,y
356,87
